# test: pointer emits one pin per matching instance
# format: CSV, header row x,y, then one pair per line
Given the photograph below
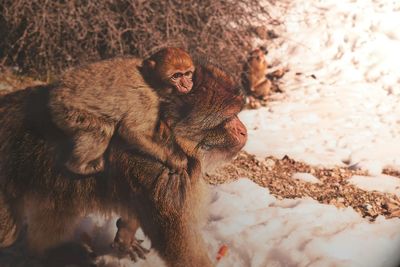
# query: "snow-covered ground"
x,y
340,105
350,111
262,231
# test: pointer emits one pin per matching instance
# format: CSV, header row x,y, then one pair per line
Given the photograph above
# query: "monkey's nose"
x,y
243,133
242,130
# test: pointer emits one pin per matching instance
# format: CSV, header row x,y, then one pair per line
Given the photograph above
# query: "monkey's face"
x,y
181,79
257,60
211,123
173,68
223,143
227,135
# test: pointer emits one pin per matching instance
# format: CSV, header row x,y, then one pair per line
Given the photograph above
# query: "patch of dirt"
x,y
334,189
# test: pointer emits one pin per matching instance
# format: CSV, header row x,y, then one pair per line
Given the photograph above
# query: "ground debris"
x,y
334,189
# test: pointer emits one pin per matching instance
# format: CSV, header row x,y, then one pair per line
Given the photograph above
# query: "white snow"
x,y
382,183
306,177
261,231
349,113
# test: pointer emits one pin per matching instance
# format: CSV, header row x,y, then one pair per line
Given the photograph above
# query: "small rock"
x,y
269,163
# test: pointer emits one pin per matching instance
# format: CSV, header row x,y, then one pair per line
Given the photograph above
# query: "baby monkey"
x,y
91,102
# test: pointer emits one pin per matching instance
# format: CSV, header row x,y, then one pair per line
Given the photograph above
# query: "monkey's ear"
x,y
149,64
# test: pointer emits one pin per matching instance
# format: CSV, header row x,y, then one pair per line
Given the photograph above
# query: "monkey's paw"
x,y
131,247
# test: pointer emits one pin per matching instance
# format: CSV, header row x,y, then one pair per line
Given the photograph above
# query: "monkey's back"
x,y
109,88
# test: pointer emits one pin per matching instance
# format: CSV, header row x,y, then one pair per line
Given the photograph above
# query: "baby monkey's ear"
x,y
149,64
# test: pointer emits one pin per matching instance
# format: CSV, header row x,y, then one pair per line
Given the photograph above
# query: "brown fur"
x,y
34,186
91,102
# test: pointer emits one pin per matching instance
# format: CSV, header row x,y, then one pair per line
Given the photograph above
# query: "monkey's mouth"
x,y
185,86
184,89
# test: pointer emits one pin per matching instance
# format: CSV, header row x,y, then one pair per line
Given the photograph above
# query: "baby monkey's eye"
x,y
177,75
189,74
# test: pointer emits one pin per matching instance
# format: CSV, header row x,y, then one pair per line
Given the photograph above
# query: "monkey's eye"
x,y
189,74
177,75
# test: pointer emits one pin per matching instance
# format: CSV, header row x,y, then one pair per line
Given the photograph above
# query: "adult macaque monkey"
x,y
91,102
132,185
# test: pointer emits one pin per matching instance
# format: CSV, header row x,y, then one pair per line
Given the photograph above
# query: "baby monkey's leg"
x,y
125,241
88,148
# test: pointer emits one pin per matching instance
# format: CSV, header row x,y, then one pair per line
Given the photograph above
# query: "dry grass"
x,y
42,37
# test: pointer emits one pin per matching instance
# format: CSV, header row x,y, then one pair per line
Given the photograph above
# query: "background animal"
x,y
255,71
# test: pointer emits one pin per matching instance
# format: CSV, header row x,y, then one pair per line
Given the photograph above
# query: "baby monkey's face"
x,y
173,68
181,80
